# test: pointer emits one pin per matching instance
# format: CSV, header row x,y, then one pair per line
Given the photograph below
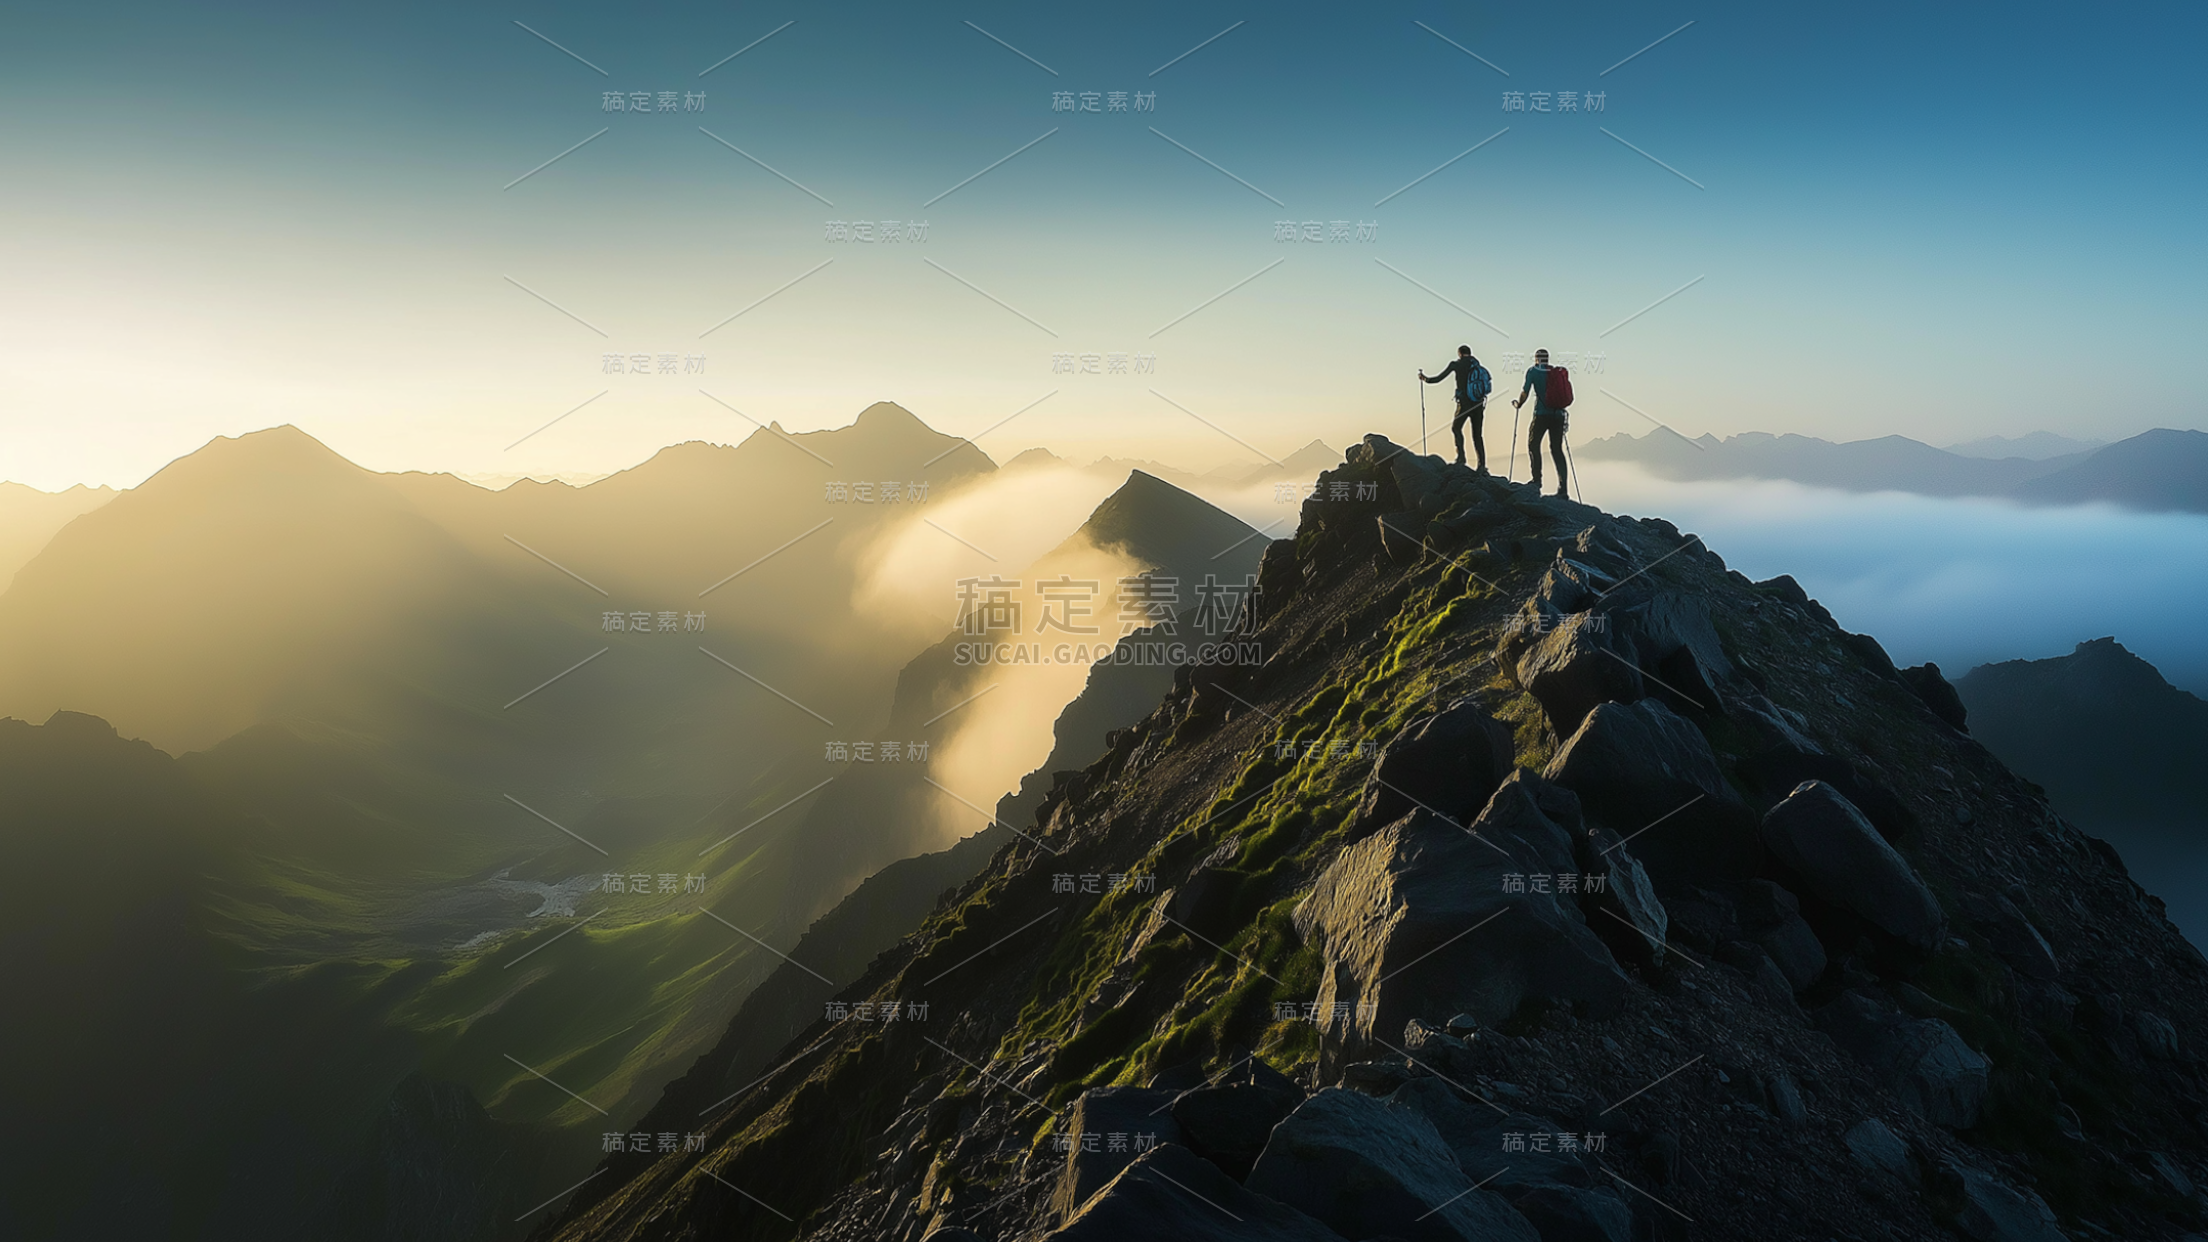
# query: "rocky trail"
x,y
1546,880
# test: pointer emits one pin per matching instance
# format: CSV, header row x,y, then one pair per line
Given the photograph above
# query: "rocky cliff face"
x,y
1544,880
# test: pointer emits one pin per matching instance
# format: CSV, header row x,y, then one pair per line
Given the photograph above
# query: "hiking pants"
x,y
1476,413
1551,424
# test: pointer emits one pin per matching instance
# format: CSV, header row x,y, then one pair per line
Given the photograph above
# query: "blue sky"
x,y
1943,223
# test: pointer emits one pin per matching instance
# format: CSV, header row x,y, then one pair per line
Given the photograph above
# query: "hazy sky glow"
x,y
225,218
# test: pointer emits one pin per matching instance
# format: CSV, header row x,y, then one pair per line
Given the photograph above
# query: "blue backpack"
x,y
1478,383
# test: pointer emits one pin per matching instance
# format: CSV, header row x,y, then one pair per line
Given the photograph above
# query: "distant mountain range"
x,y
29,517
2037,446
2160,470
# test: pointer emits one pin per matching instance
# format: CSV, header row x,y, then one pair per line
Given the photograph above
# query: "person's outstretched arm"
x,y
1435,379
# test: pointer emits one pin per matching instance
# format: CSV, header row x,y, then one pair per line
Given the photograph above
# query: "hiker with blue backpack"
x,y
1552,397
1473,385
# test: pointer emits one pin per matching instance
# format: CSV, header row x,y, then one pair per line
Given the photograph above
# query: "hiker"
x,y
1552,393
1473,385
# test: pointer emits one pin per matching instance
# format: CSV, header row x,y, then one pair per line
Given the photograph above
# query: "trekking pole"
x,y
1512,476
1573,464
1422,418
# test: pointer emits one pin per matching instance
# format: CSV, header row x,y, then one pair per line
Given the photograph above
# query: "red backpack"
x,y
1559,395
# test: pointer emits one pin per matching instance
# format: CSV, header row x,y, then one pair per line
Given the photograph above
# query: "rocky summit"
x,y
1544,879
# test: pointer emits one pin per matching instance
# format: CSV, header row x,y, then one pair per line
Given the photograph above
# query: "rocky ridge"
x,y
1546,880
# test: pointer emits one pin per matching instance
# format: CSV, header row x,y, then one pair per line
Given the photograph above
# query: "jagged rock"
x,y
1671,621
1574,667
2157,1038
1785,1099
1994,1211
1761,719
1626,912
1403,541
2012,937
1938,695
1635,764
1174,1195
1375,1077
1571,1214
1278,576
1450,762
1105,1111
1367,1167
1773,919
1844,860
1394,913
1922,1060
1879,1149
1776,772
1476,1134
1227,1122
1421,481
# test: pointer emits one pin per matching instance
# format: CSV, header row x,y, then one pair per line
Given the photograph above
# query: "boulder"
x,y
1450,762
1669,622
1994,1211
1825,840
1922,1061
1477,1135
1402,538
1573,667
1878,1149
1421,481
1639,764
2012,937
1572,1214
1772,918
1173,1195
1228,1122
1937,695
1368,1167
1108,1111
1625,911
1424,919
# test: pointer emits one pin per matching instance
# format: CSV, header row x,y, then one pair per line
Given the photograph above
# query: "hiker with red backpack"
x,y
1473,385
1552,396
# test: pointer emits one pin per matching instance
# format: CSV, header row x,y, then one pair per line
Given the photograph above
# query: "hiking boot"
x,y
1460,461
1562,494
